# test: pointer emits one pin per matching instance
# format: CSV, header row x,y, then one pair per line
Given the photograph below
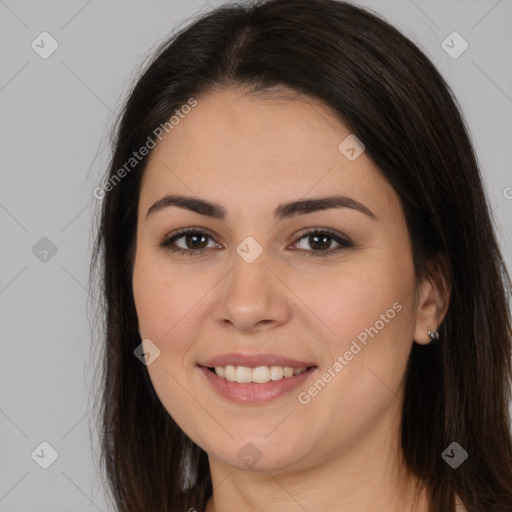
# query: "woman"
x,y
306,305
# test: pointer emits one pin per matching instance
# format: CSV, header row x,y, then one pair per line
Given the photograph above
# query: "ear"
x,y
432,303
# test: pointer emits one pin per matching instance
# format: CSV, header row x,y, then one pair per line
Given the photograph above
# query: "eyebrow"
x,y
283,211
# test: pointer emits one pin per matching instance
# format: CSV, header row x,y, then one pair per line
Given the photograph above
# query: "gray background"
x,y
56,116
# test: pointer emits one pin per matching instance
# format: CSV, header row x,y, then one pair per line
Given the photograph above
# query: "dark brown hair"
x,y
391,96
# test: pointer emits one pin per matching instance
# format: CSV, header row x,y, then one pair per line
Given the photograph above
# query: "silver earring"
x,y
433,335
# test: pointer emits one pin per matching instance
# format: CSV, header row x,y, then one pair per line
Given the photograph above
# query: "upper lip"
x,y
254,360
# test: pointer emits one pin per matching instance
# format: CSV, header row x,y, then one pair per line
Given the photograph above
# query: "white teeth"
x,y
243,374
287,371
260,375
229,372
276,372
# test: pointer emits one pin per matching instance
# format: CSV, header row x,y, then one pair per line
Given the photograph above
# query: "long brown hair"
x,y
392,97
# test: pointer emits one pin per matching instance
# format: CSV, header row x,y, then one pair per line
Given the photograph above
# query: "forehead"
x,y
260,149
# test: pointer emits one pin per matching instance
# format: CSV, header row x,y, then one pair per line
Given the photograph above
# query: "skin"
x,y
341,450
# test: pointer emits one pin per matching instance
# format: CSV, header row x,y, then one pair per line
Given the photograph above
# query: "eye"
x,y
195,241
321,239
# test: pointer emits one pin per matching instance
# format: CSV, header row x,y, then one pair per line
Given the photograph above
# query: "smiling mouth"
x,y
253,385
258,375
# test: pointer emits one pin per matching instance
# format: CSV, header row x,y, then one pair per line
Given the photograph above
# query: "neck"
x,y
368,475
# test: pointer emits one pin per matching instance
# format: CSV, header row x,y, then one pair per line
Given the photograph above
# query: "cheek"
x,y
164,303
367,317
162,297
369,314
361,299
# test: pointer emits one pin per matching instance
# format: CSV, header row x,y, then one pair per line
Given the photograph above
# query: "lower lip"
x,y
252,392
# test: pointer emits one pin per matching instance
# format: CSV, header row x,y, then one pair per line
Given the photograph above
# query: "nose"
x,y
253,296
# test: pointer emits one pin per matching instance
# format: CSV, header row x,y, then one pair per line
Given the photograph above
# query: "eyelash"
x,y
345,243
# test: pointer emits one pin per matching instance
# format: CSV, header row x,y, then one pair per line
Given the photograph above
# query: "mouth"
x,y
255,384
258,375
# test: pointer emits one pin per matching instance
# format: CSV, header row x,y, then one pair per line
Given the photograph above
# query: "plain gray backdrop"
x,y
57,112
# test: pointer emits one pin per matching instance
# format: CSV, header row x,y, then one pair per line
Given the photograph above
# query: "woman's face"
x,y
260,292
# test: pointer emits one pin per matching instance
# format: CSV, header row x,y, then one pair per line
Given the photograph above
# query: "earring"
x,y
433,335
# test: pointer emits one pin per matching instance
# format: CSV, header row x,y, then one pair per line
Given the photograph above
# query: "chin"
x,y
259,453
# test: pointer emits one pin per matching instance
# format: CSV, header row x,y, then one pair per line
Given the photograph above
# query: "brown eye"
x,y
320,242
194,242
